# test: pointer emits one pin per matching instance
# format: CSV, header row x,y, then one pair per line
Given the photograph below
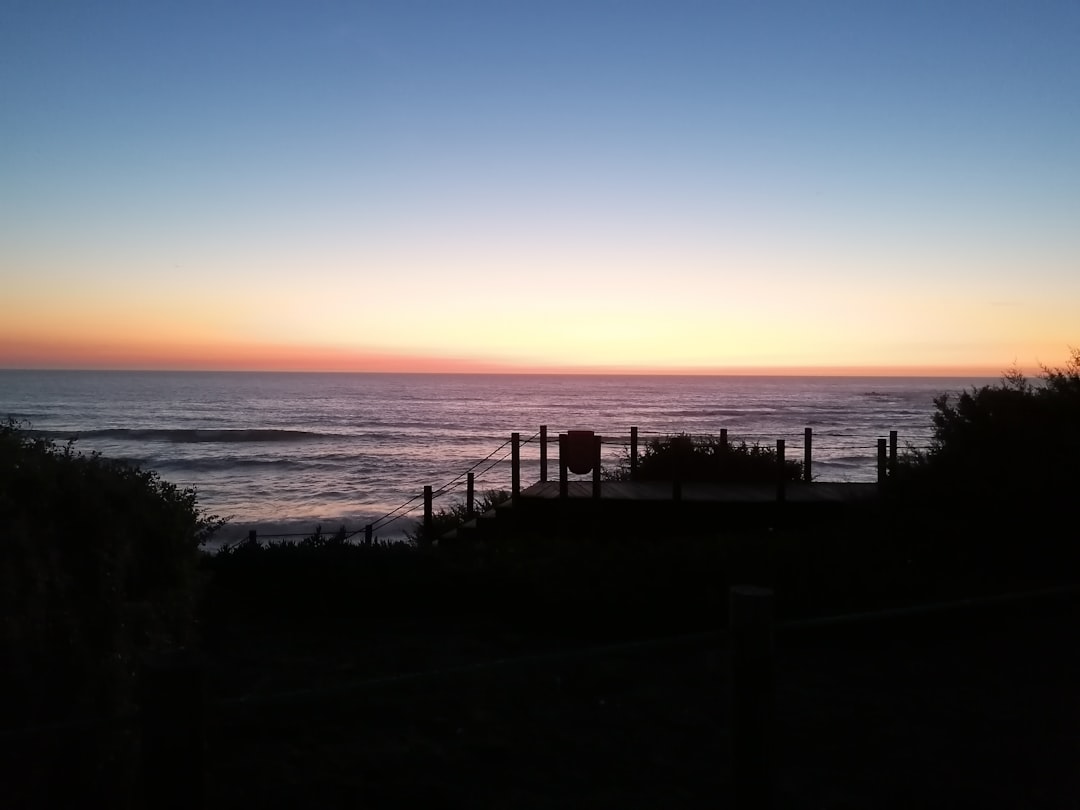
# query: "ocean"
x,y
284,452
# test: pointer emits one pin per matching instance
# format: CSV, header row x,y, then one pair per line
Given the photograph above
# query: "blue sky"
x,y
681,185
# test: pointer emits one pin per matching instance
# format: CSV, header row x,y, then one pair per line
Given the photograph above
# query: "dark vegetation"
x,y
707,458
101,565
98,569
1009,446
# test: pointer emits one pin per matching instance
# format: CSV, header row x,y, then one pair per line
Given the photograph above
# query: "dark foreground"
x,y
961,710
969,709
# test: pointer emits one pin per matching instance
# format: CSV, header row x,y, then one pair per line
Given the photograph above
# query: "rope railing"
x,y
413,503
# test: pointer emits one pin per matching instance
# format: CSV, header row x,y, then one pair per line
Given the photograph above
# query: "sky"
x,y
598,185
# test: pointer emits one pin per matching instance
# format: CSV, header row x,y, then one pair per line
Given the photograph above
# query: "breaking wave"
x,y
199,435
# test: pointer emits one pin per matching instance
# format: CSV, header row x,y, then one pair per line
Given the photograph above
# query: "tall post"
x,y
369,531
543,453
682,447
428,516
470,496
633,452
677,447
892,452
808,443
750,619
564,473
597,453
781,478
173,732
515,466
253,536
723,438
881,462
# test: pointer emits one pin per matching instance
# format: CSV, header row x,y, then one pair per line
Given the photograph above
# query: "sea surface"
x,y
284,452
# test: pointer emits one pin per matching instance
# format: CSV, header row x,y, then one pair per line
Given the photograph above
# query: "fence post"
x,y
597,453
682,448
752,694
428,521
173,733
808,443
369,530
564,480
677,469
515,466
892,453
633,452
781,478
543,453
881,462
723,438
253,536
470,496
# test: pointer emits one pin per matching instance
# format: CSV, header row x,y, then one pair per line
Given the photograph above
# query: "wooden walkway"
x,y
653,491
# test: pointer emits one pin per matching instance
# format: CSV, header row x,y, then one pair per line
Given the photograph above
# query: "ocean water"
x,y
284,452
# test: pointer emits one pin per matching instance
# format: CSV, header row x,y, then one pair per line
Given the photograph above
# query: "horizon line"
x,y
956,371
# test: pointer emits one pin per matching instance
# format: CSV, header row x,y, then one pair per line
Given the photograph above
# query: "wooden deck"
x,y
652,506
658,491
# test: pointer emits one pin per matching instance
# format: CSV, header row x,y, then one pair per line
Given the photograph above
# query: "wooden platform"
x,y
815,492
647,506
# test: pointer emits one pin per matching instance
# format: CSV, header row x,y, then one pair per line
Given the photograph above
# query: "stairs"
x,y
483,526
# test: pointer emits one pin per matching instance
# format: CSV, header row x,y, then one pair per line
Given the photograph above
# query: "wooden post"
x,y
515,466
633,452
543,453
428,517
173,732
677,469
369,530
752,694
808,443
781,478
723,438
892,453
564,481
682,450
253,536
881,462
597,452
470,496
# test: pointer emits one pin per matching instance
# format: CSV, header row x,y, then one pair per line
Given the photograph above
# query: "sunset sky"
x,y
536,184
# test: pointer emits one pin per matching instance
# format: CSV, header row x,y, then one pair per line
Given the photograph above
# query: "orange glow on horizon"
x,y
223,357
59,354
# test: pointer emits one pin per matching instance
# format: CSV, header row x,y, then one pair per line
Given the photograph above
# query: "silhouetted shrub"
x,y
709,459
326,578
97,566
1016,442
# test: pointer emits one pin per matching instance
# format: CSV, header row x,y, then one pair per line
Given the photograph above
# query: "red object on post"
x,y
580,451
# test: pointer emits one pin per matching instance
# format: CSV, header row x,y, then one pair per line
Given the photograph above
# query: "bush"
x,y
709,459
1016,442
97,567
323,581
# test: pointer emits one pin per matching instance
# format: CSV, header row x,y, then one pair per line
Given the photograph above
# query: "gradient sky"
x,y
679,185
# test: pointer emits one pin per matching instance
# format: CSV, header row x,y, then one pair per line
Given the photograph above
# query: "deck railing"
x,y
884,452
